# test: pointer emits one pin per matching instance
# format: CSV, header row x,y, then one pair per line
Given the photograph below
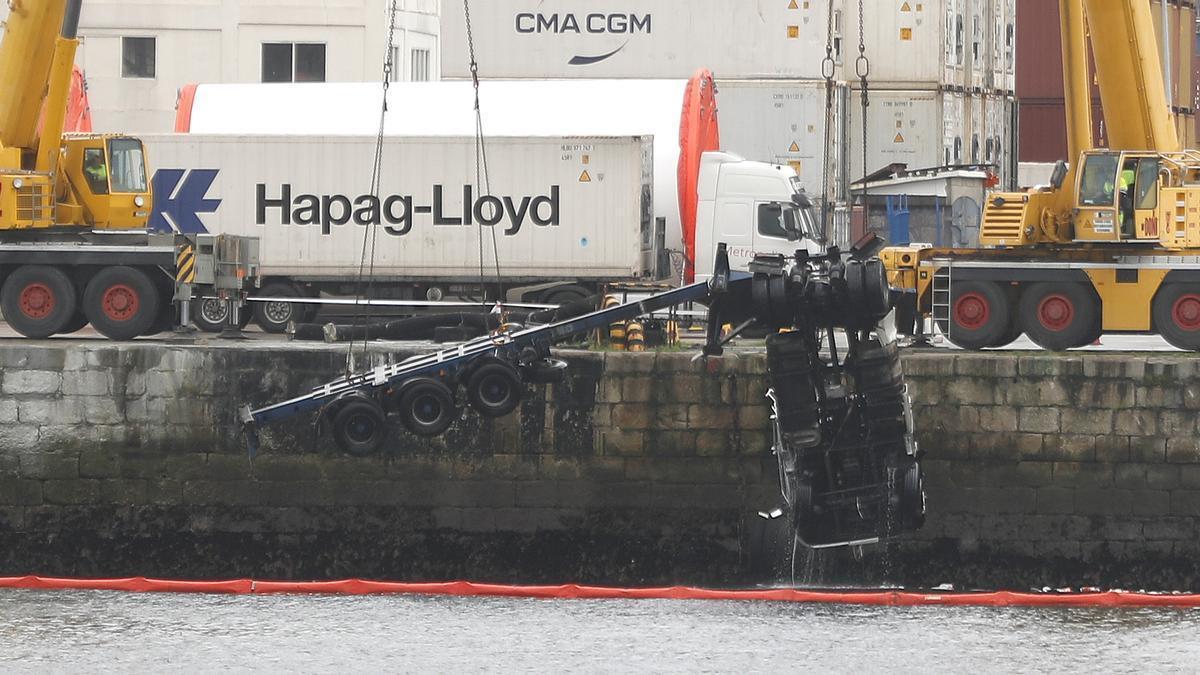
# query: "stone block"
x,y
622,443
754,443
1109,366
122,492
608,389
715,443
1116,394
1120,529
1151,503
669,415
43,465
1069,447
1168,476
232,468
755,417
164,492
20,492
1190,393
1159,396
1103,501
928,364
1083,421
1038,420
998,418
50,411
537,494
1049,365
973,391
1170,528
101,410
32,382
1136,422
1054,500
1148,449
992,473
1131,476
33,356
221,493
1177,423
634,416
636,389
286,468
993,500
670,443
9,465
18,437
1185,503
641,362
8,411
998,366
85,383
1185,450
77,491
1084,474
713,496
711,417
1112,448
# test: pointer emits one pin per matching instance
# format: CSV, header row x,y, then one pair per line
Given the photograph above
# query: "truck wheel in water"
x,y
1177,315
359,427
427,407
38,301
273,317
494,389
1059,316
121,302
980,314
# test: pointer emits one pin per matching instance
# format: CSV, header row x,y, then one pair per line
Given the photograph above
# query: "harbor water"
x,y
94,631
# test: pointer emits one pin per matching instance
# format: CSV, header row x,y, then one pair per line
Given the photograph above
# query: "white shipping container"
x,y
918,128
650,108
560,208
617,38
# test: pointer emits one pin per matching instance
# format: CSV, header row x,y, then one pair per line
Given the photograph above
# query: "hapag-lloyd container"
x,y
570,208
912,44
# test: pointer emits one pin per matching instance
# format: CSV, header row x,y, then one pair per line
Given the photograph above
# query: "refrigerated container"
x,y
918,128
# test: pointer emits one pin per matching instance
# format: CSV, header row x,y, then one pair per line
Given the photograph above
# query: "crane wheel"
x,y
494,389
1059,316
121,302
359,427
426,407
38,300
980,314
1177,316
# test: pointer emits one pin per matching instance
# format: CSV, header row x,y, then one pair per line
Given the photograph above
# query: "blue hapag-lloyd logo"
x,y
179,200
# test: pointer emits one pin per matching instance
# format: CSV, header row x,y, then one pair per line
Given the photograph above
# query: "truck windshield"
x,y
127,166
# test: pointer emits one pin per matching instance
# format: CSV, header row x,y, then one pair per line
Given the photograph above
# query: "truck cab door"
x,y
1145,199
734,227
1097,215
776,230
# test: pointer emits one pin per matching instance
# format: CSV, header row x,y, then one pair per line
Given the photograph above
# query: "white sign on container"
x,y
557,207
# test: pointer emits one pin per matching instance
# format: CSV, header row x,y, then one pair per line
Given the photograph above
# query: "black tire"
x,y
545,371
427,407
565,295
274,317
980,314
912,497
1059,316
121,302
359,427
38,301
212,315
495,389
1176,313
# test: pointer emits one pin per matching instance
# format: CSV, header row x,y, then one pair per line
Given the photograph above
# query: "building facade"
x,y
137,55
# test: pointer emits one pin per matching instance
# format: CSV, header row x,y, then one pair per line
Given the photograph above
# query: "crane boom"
x,y
1129,71
31,38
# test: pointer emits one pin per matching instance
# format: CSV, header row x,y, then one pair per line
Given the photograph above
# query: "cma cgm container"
x,y
911,43
561,211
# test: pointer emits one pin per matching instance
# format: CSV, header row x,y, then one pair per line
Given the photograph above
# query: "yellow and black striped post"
x,y
616,330
635,336
185,264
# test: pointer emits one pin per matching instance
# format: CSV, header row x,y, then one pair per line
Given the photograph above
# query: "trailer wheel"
x,y
359,427
38,300
980,314
912,497
274,317
427,407
545,371
1177,316
494,389
1059,316
121,302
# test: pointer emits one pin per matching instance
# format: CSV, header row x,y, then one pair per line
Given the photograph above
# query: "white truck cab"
x,y
755,208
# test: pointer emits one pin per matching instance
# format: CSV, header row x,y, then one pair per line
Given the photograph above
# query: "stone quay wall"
x,y
125,459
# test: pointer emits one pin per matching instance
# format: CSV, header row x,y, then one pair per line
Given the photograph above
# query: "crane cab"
x,y
103,183
1139,198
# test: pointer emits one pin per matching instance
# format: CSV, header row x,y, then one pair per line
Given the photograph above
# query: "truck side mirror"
x,y
1058,175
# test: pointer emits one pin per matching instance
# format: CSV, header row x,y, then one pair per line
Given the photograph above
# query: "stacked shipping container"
x,y
942,72
1042,121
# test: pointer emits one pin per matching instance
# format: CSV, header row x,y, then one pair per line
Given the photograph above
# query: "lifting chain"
x,y
828,66
366,262
481,164
862,68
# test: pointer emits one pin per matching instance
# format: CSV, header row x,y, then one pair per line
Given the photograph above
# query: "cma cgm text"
x,y
596,23
396,212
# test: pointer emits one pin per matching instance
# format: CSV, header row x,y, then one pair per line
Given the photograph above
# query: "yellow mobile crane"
x,y
1112,245
74,248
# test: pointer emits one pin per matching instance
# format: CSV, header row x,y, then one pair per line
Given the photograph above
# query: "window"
x,y
1147,183
420,65
128,165
959,38
1097,186
976,42
293,62
137,57
776,221
95,170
